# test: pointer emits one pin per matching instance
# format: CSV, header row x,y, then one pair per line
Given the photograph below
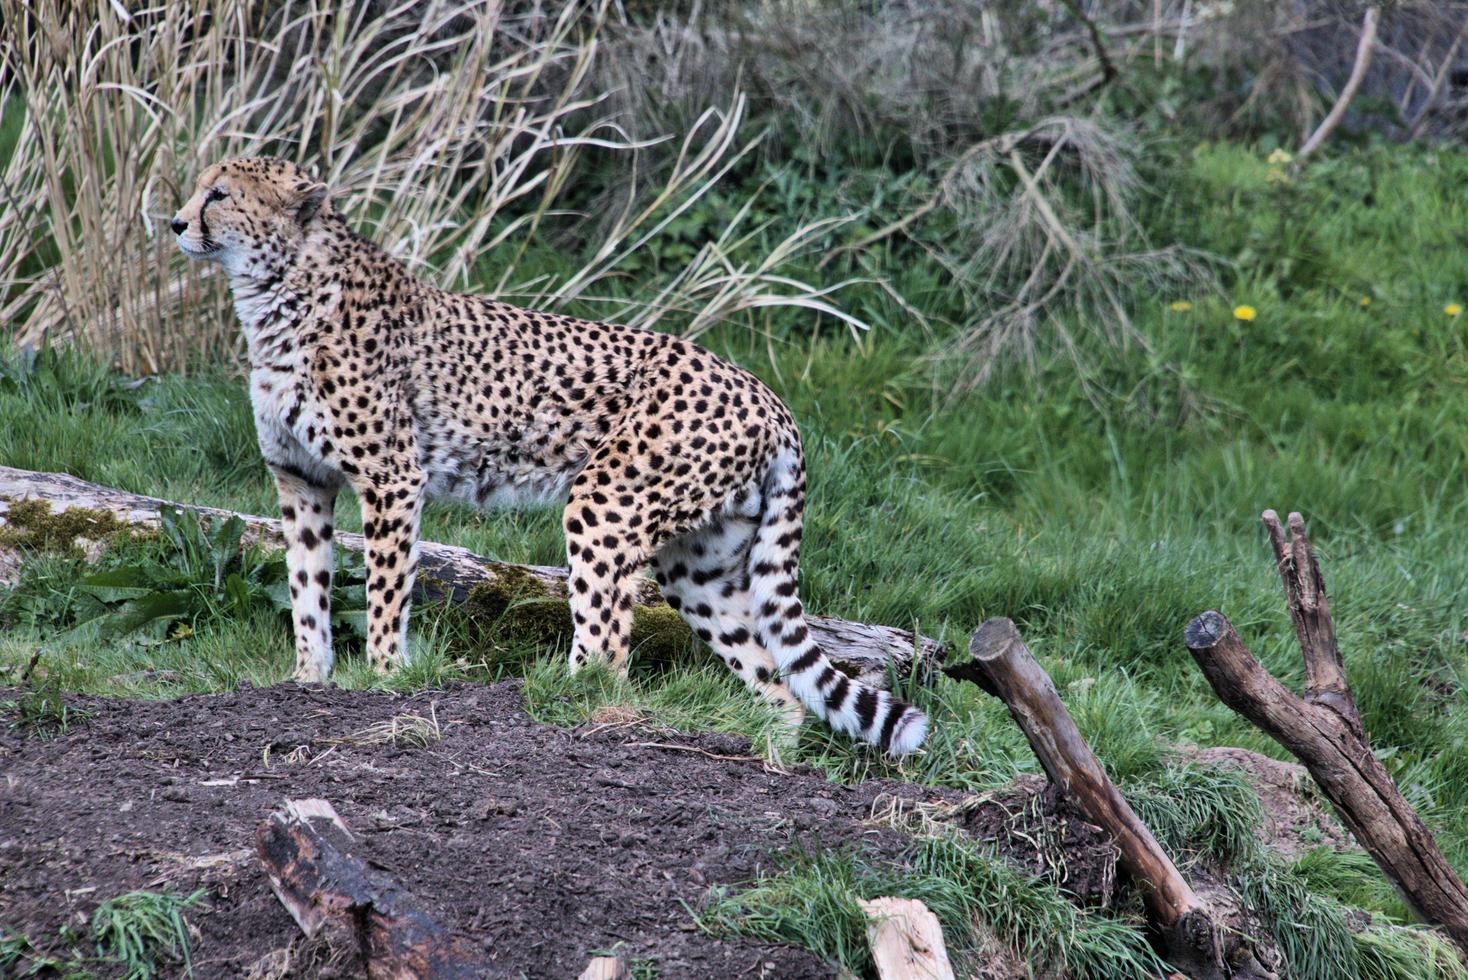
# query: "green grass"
x,y
1100,528
812,901
138,935
142,928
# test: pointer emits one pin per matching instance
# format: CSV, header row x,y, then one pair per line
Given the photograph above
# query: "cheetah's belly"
x,y
528,464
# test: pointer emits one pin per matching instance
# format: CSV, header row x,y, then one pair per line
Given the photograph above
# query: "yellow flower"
x,y
1180,306
1365,300
1452,309
1245,312
1280,156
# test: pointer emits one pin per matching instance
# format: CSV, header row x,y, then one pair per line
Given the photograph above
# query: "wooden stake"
x,y
1003,666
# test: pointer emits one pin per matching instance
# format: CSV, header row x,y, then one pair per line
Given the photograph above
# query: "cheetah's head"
x,y
248,210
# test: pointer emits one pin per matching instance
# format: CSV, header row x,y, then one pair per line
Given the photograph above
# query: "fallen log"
x,y
906,940
1192,935
455,574
1323,730
307,853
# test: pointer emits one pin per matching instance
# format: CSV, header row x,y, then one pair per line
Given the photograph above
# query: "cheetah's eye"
x,y
215,194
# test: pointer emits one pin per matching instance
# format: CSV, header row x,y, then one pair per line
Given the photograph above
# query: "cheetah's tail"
x,y
847,705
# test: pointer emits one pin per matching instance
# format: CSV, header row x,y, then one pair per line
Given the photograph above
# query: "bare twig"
x,y
1434,91
1358,73
1098,44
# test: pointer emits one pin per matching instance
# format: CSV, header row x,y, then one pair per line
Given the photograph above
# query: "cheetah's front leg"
x,y
306,516
390,510
606,558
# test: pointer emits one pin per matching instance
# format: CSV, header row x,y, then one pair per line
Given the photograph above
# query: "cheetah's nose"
x,y
178,225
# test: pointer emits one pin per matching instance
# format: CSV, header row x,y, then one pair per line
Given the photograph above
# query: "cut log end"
x,y
994,640
1205,630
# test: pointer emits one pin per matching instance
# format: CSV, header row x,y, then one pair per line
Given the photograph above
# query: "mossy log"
x,y
81,511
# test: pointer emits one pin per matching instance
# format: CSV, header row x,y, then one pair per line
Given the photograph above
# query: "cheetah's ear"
x,y
306,199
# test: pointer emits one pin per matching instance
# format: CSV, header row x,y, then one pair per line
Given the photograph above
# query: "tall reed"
x,y
445,130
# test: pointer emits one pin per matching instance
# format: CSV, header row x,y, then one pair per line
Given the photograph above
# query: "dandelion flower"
x,y
1452,309
1280,156
1365,300
1180,306
1245,312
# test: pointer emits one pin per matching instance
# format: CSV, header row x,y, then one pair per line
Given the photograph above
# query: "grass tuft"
x,y
812,901
143,930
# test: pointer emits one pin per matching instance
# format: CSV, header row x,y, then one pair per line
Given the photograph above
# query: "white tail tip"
x,y
908,737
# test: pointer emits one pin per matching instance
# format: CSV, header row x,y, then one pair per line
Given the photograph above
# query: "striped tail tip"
x,y
908,733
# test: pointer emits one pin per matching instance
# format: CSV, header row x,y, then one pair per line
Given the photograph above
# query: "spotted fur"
x,y
362,375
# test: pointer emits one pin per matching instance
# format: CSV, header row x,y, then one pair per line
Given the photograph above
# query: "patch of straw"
x,y
403,731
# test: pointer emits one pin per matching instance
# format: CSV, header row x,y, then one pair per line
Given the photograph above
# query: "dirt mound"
x,y
1298,817
542,843
1045,835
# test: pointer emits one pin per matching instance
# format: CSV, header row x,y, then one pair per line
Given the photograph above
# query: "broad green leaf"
x,y
117,584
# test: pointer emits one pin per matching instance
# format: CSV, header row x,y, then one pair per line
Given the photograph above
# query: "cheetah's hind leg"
x,y
704,576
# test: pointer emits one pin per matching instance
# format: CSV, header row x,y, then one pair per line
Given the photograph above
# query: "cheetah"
x,y
362,375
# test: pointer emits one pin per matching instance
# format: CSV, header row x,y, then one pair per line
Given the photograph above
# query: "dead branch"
x,y
1323,730
1310,612
307,852
1193,936
1358,74
448,572
1098,44
1429,104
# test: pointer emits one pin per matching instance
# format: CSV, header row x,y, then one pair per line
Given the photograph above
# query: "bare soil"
x,y
543,844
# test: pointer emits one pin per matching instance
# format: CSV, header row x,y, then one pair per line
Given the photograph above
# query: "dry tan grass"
x,y
403,731
446,130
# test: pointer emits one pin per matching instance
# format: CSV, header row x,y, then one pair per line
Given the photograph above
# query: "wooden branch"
x,y
1429,104
307,852
1310,612
1098,44
1339,759
448,572
1343,101
1003,666
906,940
